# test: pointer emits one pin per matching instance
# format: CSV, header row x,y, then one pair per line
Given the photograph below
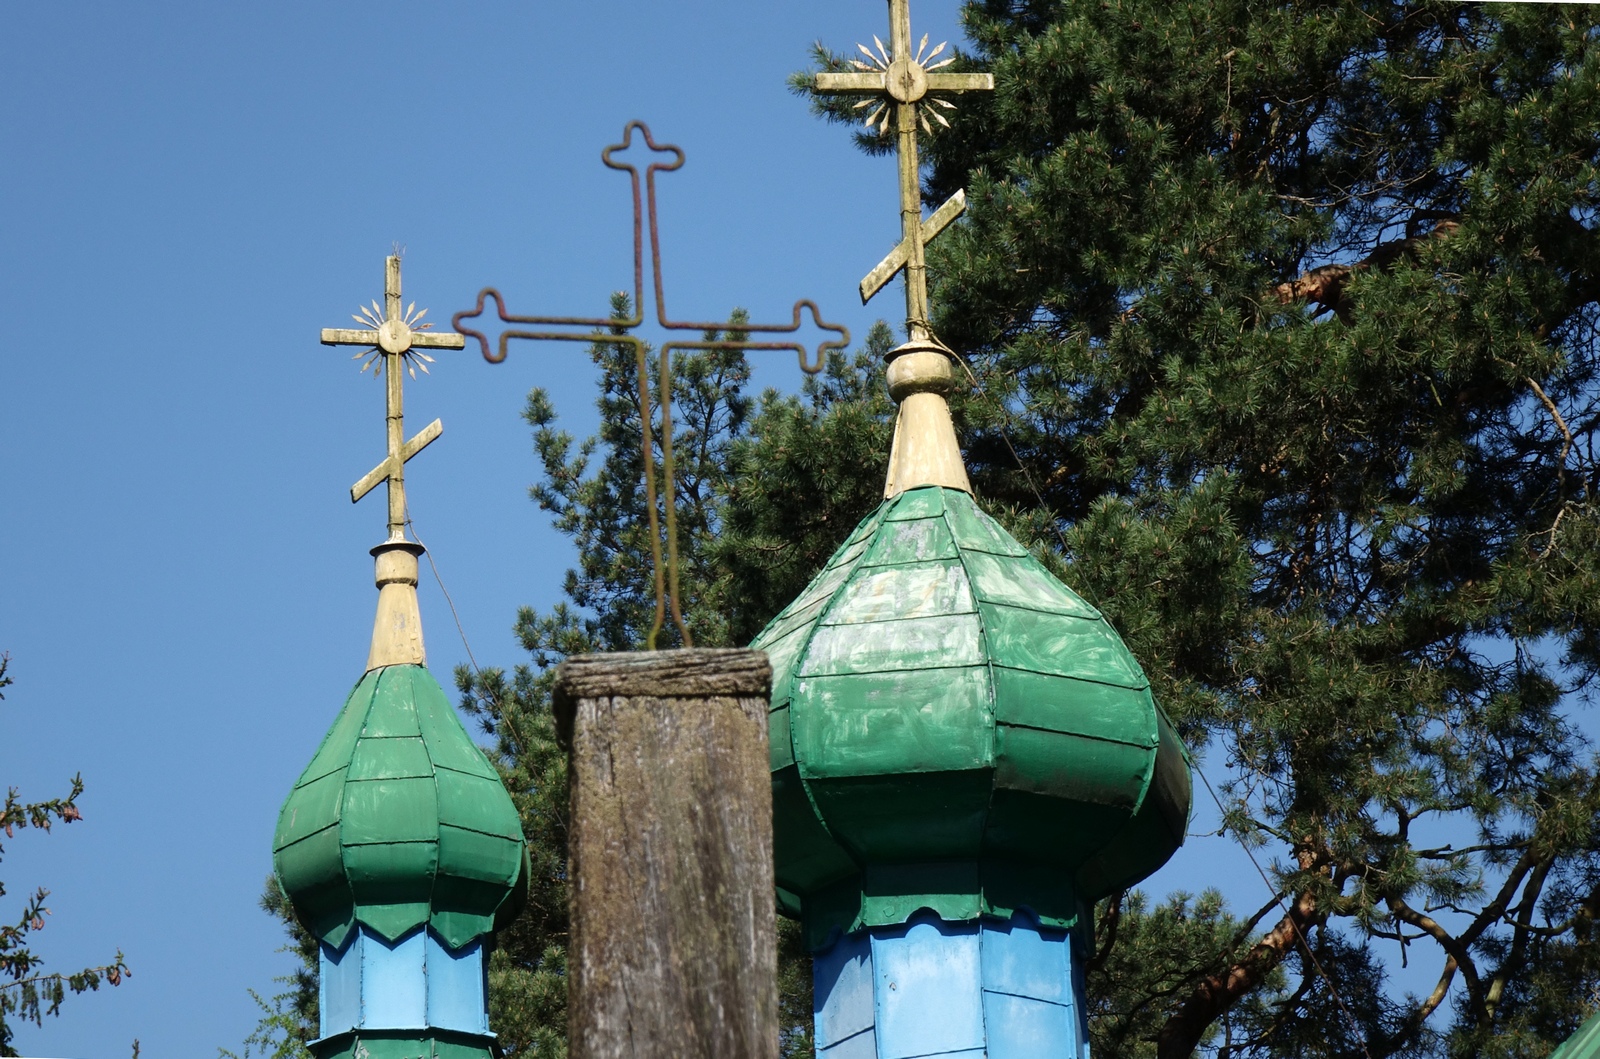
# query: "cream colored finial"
x,y
397,630
394,340
924,452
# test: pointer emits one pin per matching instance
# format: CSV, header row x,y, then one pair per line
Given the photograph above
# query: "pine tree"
x,y
1288,314
1283,321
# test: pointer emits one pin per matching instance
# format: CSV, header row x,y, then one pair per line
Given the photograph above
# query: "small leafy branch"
x,y
25,991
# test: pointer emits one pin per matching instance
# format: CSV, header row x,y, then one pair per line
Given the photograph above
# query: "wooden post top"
x,y
693,673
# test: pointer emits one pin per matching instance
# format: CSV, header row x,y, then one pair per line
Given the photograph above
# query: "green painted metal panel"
x,y
393,711
915,541
922,816
780,752
457,902
915,643
916,503
1171,793
1158,825
310,807
390,758
448,743
975,531
800,618
1023,582
781,656
391,871
1071,768
927,720
1064,704
807,856
459,929
311,861
397,810
894,594
1027,827
1053,643
473,856
471,802
312,870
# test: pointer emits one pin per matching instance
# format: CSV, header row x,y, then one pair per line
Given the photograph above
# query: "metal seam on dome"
x,y
1072,676
993,690
1154,744
877,518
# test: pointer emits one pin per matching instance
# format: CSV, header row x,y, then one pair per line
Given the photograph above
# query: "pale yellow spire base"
x,y
397,631
925,450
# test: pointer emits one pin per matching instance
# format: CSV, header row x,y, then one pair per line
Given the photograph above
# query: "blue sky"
x,y
188,193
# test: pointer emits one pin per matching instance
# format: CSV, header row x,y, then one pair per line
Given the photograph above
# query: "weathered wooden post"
x,y
673,949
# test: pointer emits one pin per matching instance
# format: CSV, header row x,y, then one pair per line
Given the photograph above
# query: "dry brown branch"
x,y
1324,285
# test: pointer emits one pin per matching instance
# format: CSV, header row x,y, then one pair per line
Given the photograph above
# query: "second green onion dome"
x,y
955,729
400,821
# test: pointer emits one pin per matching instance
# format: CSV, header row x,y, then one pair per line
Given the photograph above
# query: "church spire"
x,y
906,88
394,341
398,847
965,755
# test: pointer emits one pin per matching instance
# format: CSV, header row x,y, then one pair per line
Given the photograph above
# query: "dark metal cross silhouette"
x,y
605,329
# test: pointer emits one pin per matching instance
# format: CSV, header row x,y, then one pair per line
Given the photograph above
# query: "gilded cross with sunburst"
x,y
908,88
394,340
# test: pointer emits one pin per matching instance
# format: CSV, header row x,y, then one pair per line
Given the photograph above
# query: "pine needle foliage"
x,y
1284,325
1289,313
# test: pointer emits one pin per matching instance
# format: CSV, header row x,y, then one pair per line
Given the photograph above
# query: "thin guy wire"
x,y
462,632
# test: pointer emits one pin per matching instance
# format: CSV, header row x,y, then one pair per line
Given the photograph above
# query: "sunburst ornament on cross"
x,y
394,342
907,88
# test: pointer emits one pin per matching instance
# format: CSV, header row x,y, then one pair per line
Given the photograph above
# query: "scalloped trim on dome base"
x,y
889,895
402,1044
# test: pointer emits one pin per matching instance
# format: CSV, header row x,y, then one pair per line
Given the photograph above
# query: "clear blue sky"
x,y
188,193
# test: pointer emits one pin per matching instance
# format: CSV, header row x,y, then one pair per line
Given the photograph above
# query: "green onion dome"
x,y
955,729
399,821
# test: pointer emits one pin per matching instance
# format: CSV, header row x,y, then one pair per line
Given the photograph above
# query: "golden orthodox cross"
x,y
395,338
899,82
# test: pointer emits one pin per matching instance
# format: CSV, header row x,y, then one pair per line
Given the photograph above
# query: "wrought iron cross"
x,y
615,331
394,339
900,82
